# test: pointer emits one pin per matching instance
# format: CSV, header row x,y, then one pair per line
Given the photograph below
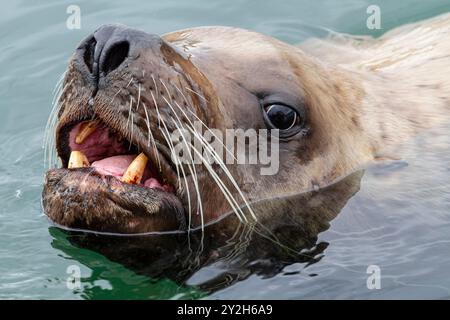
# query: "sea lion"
x,y
337,105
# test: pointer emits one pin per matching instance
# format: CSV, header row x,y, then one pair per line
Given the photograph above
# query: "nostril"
x,y
115,55
89,53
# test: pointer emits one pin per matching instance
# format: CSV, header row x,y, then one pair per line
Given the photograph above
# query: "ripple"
x,y
400,219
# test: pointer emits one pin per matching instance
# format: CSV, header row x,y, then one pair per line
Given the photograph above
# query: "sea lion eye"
x,y
282,117
285,113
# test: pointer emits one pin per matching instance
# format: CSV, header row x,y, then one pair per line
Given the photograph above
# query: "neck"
x,y
406,77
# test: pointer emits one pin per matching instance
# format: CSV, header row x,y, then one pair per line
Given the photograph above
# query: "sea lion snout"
x,y
122,89
110,48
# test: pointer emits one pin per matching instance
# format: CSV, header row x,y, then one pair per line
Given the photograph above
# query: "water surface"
x,y
399,220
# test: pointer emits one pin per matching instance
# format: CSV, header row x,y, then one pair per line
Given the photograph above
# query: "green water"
x,y
405,231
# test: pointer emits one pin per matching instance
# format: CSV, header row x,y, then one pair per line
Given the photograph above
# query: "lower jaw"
x,y
84,199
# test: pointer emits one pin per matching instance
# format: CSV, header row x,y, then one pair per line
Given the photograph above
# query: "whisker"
x,y
231,178
218,160
187,189
194,173
193,113
130,115
131,80
154,82
151,138
139,96
159,125
166,136
167,90
49,144
207,128
131,132
156,107
196,93
214,154
228,195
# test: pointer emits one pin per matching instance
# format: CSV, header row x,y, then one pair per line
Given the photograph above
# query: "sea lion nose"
x,y
108,47
105,50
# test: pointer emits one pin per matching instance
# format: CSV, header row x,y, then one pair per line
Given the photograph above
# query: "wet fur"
x,y
363,98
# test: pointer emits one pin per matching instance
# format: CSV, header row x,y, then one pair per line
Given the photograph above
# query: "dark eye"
x,y
282,117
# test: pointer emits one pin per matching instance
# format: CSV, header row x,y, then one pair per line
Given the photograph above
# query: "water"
x,y
399,220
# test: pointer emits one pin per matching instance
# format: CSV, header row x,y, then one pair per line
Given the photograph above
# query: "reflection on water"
x,y
399,219
287,235
110,280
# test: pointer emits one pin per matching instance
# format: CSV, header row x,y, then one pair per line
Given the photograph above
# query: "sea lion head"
x,y
136,89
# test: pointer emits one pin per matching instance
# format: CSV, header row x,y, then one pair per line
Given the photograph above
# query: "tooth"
x,y
136,169
87,129
78,160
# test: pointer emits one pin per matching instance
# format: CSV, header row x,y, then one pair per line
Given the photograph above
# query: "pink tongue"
x,y
117,165
100,145
114,166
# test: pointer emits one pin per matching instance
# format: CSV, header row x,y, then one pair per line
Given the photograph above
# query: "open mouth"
x,y
109,184
95,145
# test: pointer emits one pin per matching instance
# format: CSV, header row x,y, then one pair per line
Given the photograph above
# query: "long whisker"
x,y
196,134
158,114
218,160
196,93
223,188
166,136
139,97
154,100
232,180
160,119
130,115
200,120
131,80
131,132
199,202
167,90
151,138
228,195
191,167
58,85
181,123
49,137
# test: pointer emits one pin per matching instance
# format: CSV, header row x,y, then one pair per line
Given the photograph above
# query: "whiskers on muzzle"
x,y
177,116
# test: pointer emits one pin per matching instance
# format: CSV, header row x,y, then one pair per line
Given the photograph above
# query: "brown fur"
x,y
362,97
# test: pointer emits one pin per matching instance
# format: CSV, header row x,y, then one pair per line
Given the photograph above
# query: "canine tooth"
x,y
86,131
135,170
78,160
